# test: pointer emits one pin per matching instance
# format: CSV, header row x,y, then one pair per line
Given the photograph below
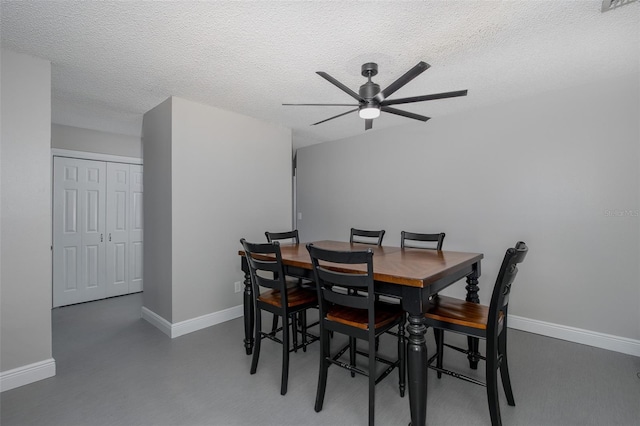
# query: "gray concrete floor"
x,y
113,368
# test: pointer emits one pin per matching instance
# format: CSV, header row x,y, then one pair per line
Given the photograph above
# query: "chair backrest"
x,y
438,239
279,236
265,267
368,237
506,276
327,278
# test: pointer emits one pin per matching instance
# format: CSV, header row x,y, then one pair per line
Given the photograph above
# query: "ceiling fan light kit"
x,y
371,100
369,112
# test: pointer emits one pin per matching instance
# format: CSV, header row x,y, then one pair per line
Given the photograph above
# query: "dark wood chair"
x,y
357,315
366,237
266,270
422,241
479,321
293,237
418,240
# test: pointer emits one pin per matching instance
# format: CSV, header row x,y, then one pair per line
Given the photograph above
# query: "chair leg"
x,y
492,382
439,335
294,331
504,367
324,368
274,325
352,354
402,357
257,339
285,355
473,358
303,320
372,381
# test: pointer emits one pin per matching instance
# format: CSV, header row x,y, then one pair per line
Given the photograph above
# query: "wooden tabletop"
x,y
394,265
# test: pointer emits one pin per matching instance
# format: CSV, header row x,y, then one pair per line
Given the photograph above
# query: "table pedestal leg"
x,y
248,314
472,296
417,370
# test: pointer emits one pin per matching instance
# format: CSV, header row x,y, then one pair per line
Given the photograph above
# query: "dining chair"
x,y
480,321
356,315
421,240
366,237
266,270
293,237
363,236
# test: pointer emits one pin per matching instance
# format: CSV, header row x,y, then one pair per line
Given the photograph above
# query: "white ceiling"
x,y
113,61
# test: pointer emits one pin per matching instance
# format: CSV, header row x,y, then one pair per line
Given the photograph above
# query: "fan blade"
x,y
404,113
323,104
336,116
407,77
368,123
425,98
339,85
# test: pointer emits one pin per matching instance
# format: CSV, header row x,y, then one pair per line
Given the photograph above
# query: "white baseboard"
x,y
576,335
571,334
156,320
26,374
204,321
194,324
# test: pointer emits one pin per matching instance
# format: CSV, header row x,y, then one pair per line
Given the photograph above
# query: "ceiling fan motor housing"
x,y
369,90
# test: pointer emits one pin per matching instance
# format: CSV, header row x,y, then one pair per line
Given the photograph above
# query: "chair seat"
x,y
384,314
457,311
296,296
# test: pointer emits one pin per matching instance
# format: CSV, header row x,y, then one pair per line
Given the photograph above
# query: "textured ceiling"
x,y
113,61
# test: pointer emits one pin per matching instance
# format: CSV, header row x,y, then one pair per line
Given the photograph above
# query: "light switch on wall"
x,y
299,215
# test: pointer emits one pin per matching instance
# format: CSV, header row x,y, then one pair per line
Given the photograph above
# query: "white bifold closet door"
x,y
97,232
135,228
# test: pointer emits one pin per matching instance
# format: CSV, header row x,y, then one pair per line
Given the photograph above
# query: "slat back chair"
x,y
418,240
266,270
366,237
485,322
422,241
356,315
294,237
281,236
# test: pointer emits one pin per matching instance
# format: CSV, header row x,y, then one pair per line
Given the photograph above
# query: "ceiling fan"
x,y
371,100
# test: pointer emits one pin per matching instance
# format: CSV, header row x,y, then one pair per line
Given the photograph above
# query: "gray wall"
x,y
25,224
157,248
229,177
555,170
77,139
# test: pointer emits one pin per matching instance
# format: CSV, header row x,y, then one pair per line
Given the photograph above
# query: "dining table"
x,y
411,275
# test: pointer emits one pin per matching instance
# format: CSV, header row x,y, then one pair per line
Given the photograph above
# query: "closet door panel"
x,y
118,224
135,233
78,230
92,214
